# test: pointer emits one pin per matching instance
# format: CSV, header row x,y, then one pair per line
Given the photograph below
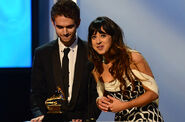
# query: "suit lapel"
x,y
78,73
57,72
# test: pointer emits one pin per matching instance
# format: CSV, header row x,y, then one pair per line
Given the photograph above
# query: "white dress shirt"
x,y
72,60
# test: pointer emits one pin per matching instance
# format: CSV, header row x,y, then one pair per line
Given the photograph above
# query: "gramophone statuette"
x,y
53,103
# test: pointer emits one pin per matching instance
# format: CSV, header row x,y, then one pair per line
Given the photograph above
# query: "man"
x,y
48,70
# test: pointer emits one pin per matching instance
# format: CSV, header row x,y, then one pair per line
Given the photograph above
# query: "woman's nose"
x,y
98,41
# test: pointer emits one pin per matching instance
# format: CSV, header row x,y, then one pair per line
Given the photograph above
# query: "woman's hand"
x,y
116,105
102,103
38,119
76,120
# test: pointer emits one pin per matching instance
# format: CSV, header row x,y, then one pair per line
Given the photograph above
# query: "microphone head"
x,y
90,66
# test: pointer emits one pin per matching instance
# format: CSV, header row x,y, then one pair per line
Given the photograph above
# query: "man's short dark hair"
x,y
67,8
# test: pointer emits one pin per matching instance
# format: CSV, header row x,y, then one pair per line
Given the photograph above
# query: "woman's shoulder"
x,y
135,55
139,63
131,50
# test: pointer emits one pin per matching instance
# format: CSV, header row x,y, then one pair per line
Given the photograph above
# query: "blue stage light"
x,y
15,34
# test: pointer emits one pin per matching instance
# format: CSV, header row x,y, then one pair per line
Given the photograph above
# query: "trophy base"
x,y
54,112
54,109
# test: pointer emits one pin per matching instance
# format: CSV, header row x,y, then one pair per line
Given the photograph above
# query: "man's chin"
x,y
67,42
65,39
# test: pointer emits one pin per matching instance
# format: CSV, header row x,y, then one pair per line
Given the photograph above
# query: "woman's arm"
x,y
142,100
140,64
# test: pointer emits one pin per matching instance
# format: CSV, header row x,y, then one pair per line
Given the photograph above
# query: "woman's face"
x,y
101,42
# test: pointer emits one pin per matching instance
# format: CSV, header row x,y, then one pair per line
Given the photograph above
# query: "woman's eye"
x,y
93,37
103,35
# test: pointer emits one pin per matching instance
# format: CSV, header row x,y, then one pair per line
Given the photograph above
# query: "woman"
x,y
125,83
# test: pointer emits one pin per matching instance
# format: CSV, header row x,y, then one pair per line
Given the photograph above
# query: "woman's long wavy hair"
x,y
118,52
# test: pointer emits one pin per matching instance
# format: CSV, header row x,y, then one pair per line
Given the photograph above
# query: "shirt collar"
x,y
72,47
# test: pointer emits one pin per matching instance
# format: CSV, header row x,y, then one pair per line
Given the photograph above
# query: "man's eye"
x,y
60,27
70,26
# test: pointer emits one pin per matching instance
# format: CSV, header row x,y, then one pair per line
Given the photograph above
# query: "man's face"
x,y
66,29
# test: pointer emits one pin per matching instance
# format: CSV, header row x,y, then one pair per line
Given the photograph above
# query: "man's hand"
x,y
38,119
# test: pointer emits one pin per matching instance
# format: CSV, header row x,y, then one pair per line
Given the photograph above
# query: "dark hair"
x,y
67,8
118,52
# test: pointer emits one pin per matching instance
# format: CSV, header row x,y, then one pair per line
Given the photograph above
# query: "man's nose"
x,y
65,31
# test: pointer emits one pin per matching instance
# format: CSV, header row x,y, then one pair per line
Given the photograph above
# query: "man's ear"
x,y
52,22
78,23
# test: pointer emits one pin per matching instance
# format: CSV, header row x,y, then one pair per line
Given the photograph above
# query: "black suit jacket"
x,y
46,75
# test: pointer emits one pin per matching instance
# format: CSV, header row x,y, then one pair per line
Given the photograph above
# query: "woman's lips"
x,y
100,47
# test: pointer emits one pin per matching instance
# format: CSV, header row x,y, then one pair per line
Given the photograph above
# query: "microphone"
x,y
90,66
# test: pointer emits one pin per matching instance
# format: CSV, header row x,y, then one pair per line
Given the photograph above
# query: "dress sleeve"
x,y
147,80
100,88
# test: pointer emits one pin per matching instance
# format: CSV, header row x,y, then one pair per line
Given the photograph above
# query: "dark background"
x,y
15,83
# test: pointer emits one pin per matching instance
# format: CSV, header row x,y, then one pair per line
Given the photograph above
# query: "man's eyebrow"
x,y
59,26
69,26
72,25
